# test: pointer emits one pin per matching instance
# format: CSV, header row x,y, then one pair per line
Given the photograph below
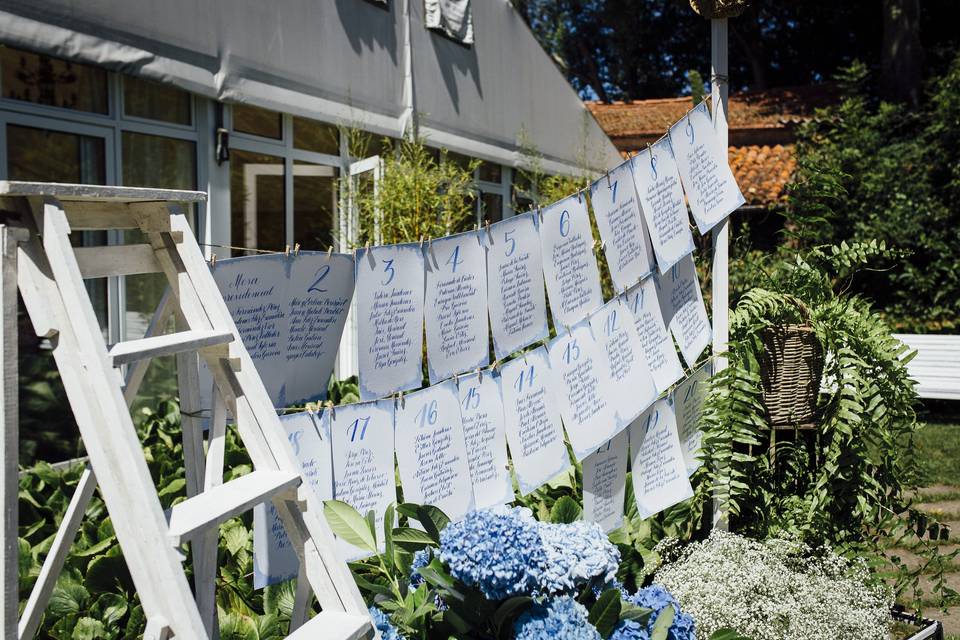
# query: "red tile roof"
x,y
750,111
762,130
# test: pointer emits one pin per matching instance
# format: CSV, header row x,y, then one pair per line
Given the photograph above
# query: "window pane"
x,y
256,201
145,99
311,135
42,155
314,203
52,156
491,207
489,172
166,163
257,121
52,81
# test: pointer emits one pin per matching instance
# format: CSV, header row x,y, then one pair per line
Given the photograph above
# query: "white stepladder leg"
x,y
9,438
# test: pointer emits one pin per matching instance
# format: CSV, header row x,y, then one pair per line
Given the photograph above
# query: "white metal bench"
x,y
936,367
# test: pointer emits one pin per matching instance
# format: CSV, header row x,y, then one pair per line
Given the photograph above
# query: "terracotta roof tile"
x,y
762,171
769,109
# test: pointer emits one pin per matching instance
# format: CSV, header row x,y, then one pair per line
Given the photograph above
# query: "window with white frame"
x,y
283,181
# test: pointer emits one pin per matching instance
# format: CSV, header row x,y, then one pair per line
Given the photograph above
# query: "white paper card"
x,y
390,281
659,475
617,211
431,452
518,305
534,431
455,308
255,291
318,296
689,397
581,388
274,559
661,355
604,483
681,303
711,189
362,439
481,412
661,200
630,384
569,266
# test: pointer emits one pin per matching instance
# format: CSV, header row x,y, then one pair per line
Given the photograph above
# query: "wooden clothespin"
x,y
421,243
213,260
330,252
580,195
479,375
608,178
296,248
331,408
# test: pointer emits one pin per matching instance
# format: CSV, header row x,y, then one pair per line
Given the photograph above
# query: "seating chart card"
x,y
255,290
605,482
518,305
455,307
711,189
431,452
362,439
659,474
390,286
617,211
681,303
481,411
534,431
631,388
689,397
569,266
274,559
661,200
319,293
661,355
581,388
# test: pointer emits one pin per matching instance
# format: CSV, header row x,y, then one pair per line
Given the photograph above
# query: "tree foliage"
x,y
869,169
637,49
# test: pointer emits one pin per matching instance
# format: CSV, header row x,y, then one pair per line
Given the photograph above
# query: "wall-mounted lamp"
x,y
221,149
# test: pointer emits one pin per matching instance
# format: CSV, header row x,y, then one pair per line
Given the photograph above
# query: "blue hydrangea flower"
x,y
683,627
498,551
420,559
656,598
576,553
598,589
630,630
561,618
384,626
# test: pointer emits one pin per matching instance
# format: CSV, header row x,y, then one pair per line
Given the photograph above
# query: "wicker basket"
x,y
710,9
791,367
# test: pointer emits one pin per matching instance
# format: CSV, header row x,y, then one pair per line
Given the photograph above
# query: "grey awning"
x,y
341,61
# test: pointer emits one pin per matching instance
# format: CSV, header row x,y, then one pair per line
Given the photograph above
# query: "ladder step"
x,y
167,344
335,624
224,501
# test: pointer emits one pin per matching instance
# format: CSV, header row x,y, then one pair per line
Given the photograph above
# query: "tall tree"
x,y
636,49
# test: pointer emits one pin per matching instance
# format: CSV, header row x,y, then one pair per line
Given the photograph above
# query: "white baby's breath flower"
x,y
774,590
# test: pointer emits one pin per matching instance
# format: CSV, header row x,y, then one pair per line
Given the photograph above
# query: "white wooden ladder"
x,y
50,278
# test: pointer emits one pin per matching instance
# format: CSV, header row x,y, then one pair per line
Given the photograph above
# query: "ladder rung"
x,y
335,624
224,501
167,344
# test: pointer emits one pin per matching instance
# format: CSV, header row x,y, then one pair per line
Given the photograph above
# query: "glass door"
x,y
364,174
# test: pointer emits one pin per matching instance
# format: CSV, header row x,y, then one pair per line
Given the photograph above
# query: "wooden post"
x,y
9,445
719,86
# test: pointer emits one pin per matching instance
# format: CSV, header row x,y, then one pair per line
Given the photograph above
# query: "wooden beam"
x,y
53,563
116,260
10,237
